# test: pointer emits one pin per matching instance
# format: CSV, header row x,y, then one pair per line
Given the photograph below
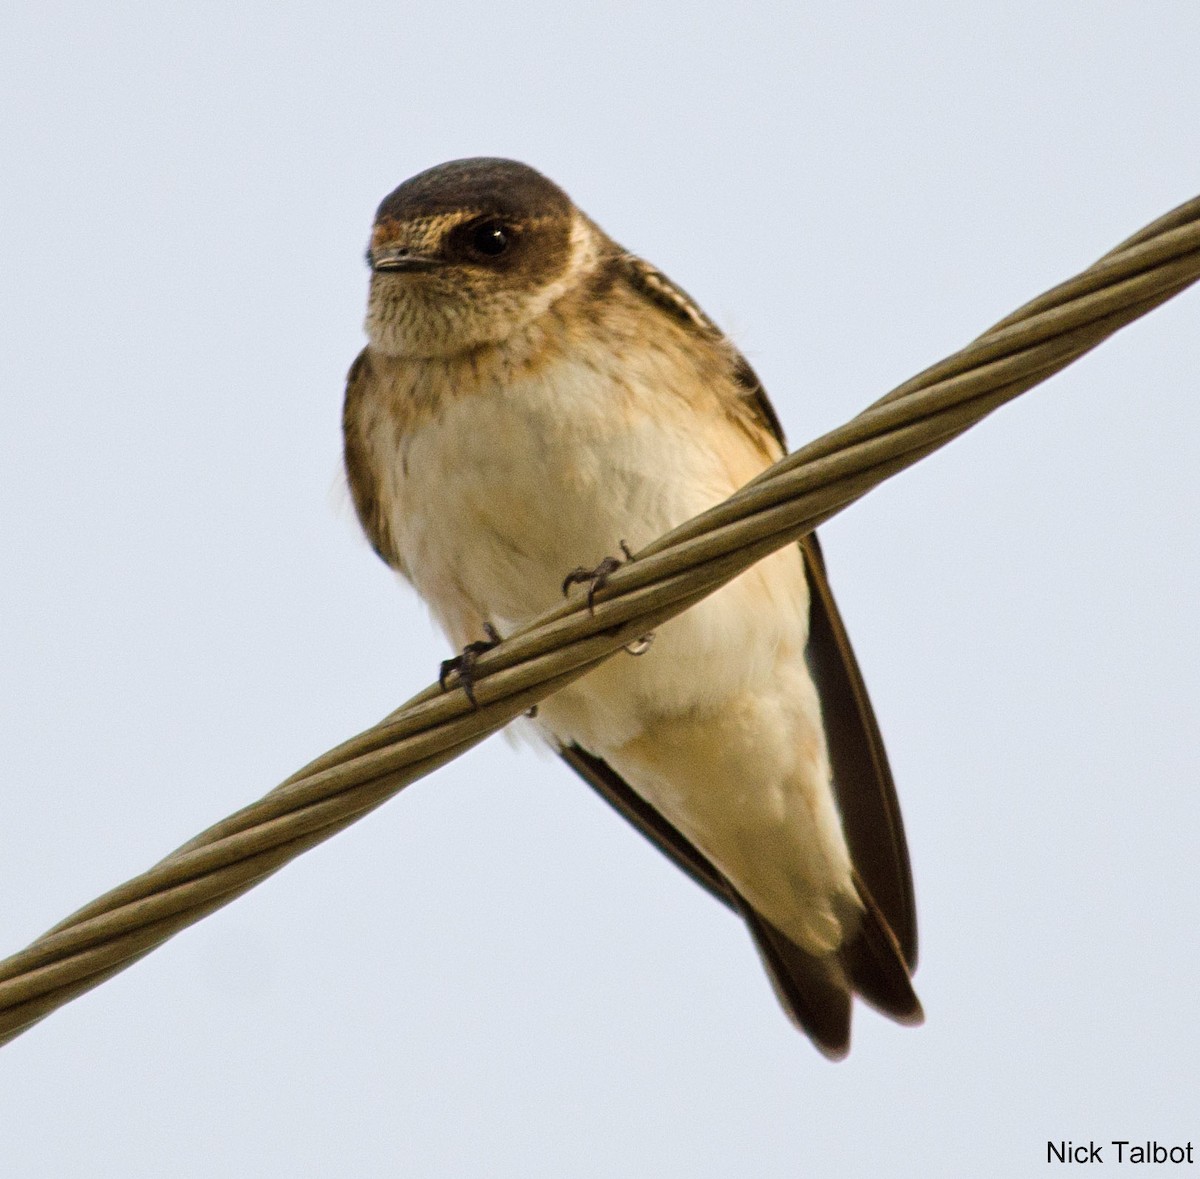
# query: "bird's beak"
x,y
401,259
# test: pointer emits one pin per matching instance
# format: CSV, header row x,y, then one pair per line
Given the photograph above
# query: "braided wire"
x,y
788,500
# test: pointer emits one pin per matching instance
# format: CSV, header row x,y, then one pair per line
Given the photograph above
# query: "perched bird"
x,y
532,399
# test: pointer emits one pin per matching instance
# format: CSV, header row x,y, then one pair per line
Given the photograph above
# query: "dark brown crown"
x,y
501,188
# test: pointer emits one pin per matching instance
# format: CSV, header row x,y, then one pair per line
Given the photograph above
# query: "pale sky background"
x,y
492,976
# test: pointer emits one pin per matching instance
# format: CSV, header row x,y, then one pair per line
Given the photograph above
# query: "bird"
x,y
533,399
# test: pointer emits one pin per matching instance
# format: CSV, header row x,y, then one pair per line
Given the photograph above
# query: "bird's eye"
x,y
490,239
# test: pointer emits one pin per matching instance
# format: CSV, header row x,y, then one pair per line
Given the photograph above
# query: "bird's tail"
x,y
876,966
816,990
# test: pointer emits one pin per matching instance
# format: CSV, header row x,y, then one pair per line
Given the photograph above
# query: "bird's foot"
x,y
595,579
463,665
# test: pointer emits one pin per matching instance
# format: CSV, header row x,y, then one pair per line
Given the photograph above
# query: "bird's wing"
x,y
878,961
360,474
862,779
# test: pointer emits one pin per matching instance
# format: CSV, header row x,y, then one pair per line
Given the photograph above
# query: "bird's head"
x,y
468,253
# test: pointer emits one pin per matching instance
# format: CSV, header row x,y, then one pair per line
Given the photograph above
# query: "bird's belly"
x,y
495,500
498,498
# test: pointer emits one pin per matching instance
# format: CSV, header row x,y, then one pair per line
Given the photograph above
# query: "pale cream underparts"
x,y
507,466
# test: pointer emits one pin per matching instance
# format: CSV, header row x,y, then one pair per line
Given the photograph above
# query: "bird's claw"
x,y
463,664
595,579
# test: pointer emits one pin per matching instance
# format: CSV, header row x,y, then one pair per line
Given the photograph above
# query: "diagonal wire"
x,y
790,499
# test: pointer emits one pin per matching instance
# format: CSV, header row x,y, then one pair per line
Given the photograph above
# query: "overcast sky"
x,y
492,976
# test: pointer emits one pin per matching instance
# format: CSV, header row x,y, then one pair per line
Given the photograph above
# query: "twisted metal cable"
x,y
790,499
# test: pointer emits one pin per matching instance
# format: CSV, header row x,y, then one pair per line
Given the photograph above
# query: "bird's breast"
x,y
508,479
